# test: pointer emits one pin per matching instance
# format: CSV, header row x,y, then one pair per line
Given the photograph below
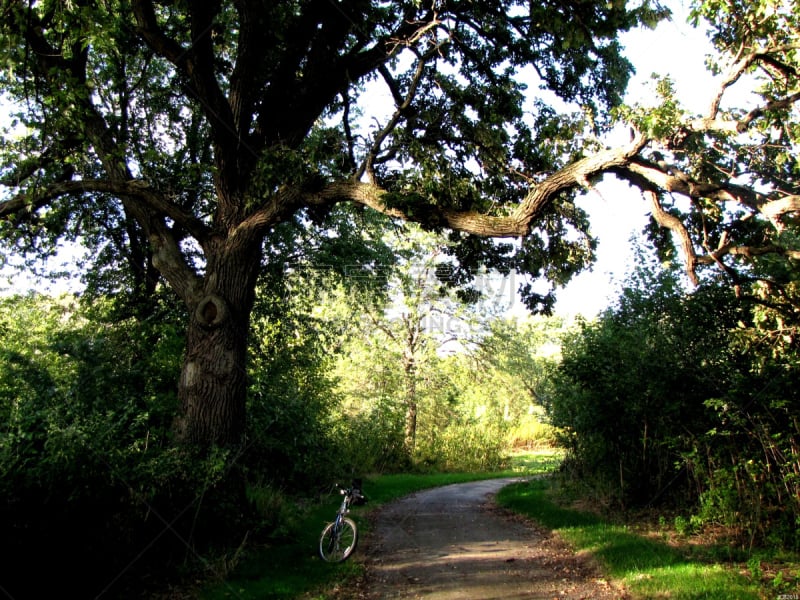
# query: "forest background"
x,y
376,345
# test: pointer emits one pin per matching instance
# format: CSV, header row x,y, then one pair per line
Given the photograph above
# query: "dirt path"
x,y
452,543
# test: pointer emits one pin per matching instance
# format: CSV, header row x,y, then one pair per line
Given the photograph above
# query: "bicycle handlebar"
x,y
355,494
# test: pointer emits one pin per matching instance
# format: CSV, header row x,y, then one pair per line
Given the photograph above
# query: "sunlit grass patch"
x,y
535,462
689,581
648,568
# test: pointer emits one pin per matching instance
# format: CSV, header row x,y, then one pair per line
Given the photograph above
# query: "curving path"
x,y
451,543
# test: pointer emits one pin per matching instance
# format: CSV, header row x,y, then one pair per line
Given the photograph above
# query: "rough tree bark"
x,y
213,379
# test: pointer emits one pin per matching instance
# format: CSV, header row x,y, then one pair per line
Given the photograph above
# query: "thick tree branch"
x,y
517,223
775,209
717,125
170,261
740,66
676,226
137,197
320,81
374,197
245,82
129,191
578,174
748,252
196,63
152,33
645,174
279,207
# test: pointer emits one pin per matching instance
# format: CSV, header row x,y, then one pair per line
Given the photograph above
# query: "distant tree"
x,y
404,329
173,139
517,356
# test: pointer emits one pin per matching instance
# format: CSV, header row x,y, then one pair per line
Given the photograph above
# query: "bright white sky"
x,y
675,49
617,213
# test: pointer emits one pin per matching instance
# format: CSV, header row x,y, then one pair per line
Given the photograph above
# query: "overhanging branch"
x,y
718,125
676,226
775,209
644,174
517,222
137,191
748,252
741,64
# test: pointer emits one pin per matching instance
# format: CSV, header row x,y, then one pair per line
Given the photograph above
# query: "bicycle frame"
x,y
344,508
330,540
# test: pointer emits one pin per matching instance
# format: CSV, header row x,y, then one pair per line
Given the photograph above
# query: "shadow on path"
x,y
451,543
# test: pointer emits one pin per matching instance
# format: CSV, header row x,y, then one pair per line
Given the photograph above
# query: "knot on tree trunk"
x,y
212,311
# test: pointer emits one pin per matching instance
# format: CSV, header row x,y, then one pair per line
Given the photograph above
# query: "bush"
x,y
674,397
465,448
92,492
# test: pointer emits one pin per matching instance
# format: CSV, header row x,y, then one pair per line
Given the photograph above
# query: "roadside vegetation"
x,y
670,404
651,554
654,558
87,459
288,569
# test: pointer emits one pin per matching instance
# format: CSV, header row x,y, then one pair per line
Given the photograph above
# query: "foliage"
x,y
291,397
67,379
89,474
632,381
426,358
88,471
676,397
533,432
218,148
511,372
176,142
287,569
398,400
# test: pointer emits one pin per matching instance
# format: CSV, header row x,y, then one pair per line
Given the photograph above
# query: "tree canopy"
x,y
179,139
213,122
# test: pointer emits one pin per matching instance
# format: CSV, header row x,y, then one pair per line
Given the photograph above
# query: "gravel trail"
x,y
453,543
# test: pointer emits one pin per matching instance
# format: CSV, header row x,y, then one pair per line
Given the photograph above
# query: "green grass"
x,y
290,569
648,568
384,488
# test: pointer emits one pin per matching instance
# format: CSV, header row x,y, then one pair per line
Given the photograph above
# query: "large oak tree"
x,y
176,137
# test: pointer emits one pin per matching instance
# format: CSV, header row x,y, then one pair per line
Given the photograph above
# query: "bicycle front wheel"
x,y
336,544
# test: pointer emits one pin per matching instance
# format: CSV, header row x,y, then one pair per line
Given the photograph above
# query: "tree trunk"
x,y
411,425
213,384
410,374
212,390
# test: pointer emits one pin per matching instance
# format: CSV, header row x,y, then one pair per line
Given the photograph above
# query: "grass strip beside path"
x,y
646,567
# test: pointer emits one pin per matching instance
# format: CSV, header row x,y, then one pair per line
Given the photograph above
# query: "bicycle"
x,y
339,538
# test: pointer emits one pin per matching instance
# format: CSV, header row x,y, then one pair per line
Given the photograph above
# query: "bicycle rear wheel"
x,y
336,546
